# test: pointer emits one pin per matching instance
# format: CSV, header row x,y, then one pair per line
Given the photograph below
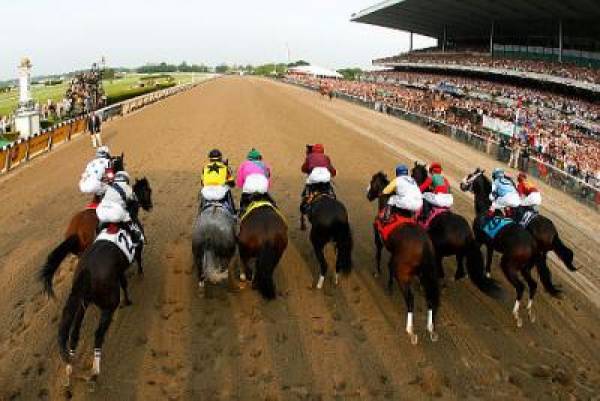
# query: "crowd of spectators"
x,y
563,70
85,92
563,131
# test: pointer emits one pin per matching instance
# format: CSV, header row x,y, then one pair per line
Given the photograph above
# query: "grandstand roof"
x,y
315,71
470,18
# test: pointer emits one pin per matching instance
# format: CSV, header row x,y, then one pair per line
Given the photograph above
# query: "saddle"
x,y
433,213
220,204
257,205
312,196
385,228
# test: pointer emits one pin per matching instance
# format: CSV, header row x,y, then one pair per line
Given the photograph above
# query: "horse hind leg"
x,y
124,286
378,249
318,247
526,273
76,330
511,275
105,321
409,299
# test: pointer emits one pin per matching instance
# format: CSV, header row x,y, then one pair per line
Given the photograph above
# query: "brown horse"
x,y
326,90
80,233
263,238
412,255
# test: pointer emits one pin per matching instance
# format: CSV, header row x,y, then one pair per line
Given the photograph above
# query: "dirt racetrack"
x,y
344,343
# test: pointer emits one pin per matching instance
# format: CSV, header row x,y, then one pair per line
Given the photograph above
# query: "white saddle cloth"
x,y
122,240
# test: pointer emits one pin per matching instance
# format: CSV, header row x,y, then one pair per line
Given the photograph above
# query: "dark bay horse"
x,y
451,235
516,244
412,255
81,230
99,277
263,239
84,224
329,223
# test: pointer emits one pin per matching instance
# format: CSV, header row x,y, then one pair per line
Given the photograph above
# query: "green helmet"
x,y
254,155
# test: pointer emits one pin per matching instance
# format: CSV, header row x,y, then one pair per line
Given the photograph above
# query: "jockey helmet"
x,y
522,176
401,170
318,148
103,151
215,155
122,176
435,168
497,173
254,155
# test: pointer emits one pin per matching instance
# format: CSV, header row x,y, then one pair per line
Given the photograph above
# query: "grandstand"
x,y
553,41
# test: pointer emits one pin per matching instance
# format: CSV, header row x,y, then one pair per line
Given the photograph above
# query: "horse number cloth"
x,y
492,226
258,204
122,239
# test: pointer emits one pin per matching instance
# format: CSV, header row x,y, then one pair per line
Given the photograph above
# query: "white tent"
x,y
315,71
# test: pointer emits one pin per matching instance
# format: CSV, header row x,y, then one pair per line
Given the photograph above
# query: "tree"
x,y
351,74
221,68
298,63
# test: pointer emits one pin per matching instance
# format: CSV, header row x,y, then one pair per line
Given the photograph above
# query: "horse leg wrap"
x,y
410,329
96,362
337,278
430,326
530,311
516,313
320,282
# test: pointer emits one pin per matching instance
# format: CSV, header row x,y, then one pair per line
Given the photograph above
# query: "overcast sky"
x,y
63,35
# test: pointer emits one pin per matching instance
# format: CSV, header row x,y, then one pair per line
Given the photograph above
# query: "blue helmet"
x,y
497,173
401,169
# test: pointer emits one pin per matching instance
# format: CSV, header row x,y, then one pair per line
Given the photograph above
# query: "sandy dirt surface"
x,y
344,343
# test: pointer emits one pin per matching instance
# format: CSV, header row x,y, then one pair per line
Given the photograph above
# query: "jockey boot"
x,y
425,211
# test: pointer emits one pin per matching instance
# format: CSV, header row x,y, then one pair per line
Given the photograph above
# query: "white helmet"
x,y
103,151
121,176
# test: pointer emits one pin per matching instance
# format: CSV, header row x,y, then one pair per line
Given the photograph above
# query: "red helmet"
x,y
318,148
522,176
435,168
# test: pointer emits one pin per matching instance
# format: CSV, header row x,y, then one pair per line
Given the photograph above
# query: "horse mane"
x,y
421,170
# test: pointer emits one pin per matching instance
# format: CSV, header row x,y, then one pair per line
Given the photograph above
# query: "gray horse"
x,y
213,243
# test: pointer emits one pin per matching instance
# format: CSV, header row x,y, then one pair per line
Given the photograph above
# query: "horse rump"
x,y
55,258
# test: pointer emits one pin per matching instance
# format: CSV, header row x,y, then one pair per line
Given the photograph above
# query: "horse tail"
x,y
55,258
476,271
429,276
75,301
343,240
268,257
564,253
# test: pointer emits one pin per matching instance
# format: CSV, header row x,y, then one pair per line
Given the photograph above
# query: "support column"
x,y
444,40
410,47
560,40
492,39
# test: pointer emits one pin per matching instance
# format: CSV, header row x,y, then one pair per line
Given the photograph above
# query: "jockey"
x,y
436,190
504,194
97,174
114,206
407,199
531,197
320,171
253,177
217,181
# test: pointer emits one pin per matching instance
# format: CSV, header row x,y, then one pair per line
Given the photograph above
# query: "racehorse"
x,y
262,238
329,223
99,276
213,242
80,240
451,234
516,244
412,255
80,233
326,90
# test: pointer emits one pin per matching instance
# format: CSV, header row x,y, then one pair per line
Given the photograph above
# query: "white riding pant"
x,y
509,200
112,212
213,193
256,183
439,200
319,175
411,203
92,185
533,199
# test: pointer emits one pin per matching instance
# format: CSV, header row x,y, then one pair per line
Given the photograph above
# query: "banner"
x,y
77,127
38,144
503,127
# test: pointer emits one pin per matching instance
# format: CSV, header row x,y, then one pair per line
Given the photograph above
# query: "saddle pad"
x,y
435,212
91,206
394,222
492,226
258,204
121,239
527,217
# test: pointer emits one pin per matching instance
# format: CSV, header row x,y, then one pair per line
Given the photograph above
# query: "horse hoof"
x,y
488,275
242,277
68,391
125,304
519,322
375,274
433,336
531,316
320,282
92,381
414,339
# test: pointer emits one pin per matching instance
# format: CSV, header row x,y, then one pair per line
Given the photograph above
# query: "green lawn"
x,y
118,88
